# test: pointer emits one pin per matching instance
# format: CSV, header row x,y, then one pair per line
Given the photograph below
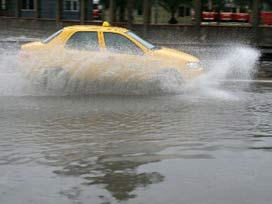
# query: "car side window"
x,y
84,40
120,44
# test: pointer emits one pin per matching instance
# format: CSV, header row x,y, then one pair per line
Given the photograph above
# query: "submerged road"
x,y
211,146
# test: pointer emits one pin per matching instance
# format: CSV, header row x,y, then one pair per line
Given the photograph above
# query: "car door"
x,y
124,57
83,56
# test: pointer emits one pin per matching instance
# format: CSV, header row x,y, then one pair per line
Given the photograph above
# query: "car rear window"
x,y
84,40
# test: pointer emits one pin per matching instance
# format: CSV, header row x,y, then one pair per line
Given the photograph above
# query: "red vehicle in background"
x,y
209,16
266,17
206,15
226,14
213,16
241,17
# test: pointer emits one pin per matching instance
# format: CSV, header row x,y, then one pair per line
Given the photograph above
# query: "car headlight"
x,y
193,65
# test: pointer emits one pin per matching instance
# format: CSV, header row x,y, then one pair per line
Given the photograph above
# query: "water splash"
x,y
227,74
237,62
12,82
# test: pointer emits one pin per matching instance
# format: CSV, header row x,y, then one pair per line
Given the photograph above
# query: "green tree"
x,y
171,6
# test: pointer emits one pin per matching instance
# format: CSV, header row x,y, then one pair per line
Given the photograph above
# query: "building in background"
x,y
46,9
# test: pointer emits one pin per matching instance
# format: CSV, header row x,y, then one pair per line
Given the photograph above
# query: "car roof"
x,y
95,28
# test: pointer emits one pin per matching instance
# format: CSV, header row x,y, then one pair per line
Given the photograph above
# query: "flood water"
x,y
210,144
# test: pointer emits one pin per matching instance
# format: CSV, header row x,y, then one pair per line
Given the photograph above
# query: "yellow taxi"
x,y
88,52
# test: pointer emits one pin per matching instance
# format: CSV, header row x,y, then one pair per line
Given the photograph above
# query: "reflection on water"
x,y
120,183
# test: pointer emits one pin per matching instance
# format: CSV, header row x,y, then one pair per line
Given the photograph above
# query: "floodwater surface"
x,y
209,144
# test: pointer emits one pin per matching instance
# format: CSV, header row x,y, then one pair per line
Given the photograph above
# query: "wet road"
x,y
167,149
209,145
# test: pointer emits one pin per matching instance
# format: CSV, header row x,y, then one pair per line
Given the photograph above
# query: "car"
x,y
241,17
209,16
266,17
91,53
226,16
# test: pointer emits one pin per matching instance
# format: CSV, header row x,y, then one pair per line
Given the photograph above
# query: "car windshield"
x,y
142,41
51,37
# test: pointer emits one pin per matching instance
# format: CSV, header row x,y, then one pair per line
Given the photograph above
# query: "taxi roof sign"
x,y
106,24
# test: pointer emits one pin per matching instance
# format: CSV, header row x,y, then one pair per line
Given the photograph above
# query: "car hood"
x,y
174,54
31,46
